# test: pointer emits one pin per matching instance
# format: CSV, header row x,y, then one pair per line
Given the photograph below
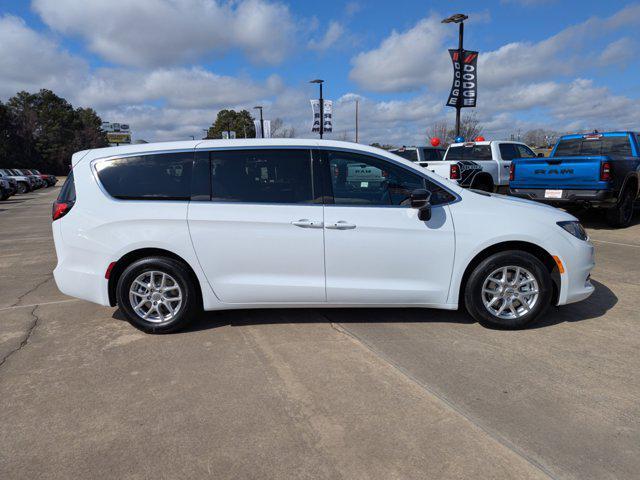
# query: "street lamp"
x,y
320,82
259,107
458,18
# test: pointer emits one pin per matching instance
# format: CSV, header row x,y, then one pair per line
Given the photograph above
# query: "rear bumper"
x,y
592,197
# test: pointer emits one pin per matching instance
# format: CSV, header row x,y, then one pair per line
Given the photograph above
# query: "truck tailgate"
x,y
558,172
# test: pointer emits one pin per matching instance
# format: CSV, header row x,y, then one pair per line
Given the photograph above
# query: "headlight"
x,y
575,229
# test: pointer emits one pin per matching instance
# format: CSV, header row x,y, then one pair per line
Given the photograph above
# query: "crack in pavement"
x,y
26,338
31,290
496,436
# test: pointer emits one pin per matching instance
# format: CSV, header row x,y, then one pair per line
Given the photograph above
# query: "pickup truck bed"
x,y
606,177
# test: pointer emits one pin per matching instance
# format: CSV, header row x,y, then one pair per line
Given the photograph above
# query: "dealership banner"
x,y
328,115
464,90
267,128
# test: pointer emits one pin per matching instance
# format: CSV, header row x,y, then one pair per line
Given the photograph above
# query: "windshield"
x,y
474,152
409,154
578,147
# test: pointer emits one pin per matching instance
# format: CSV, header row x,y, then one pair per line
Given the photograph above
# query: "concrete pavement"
x,y
296,394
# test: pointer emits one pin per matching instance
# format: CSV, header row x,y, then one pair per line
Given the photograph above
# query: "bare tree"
x,y
278,129
470,128
440,129
540,137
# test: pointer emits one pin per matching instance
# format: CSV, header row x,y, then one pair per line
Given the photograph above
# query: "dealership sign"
x,y
464,90
328,115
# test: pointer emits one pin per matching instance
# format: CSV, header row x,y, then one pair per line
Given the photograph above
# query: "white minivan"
x,y
165,230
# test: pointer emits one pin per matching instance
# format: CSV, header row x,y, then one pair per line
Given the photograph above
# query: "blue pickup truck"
x,y
599,170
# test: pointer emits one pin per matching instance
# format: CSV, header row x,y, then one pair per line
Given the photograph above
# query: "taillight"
x,y
605,171
60,209
454,171
512,171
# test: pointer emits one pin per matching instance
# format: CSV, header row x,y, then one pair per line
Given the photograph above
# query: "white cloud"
x,y
146,33
618,52
31,61
405,61
417,58
176,87
331,36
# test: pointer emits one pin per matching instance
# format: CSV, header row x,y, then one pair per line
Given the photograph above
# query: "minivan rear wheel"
x,y
157,295
509,289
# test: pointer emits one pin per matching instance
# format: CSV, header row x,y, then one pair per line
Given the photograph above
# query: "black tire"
x,y
473,294
4,196
186,312
22,188
484,185
621,215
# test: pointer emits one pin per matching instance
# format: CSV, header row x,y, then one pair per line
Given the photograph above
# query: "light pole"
x,y
320,82
259,107
458,18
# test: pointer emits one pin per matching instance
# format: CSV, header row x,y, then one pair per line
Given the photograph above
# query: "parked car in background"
x,y
5,189
164,230
24,184
36,180
421,155
13,184
482,165
50,180
600,170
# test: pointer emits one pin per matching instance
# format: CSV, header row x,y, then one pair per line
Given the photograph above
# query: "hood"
x,y
524,207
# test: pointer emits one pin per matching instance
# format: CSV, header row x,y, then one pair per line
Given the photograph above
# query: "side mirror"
x,y
540,155
420,200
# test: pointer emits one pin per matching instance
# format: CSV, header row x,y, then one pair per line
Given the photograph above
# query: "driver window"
x,y
363,180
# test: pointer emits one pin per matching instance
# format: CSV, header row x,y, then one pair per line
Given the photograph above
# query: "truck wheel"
x,y
621,215
508,290
483,184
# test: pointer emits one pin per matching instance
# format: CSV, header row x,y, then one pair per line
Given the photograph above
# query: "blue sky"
x,y
167,66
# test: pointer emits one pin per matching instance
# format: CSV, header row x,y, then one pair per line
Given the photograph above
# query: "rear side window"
x,y
165,176
576,147
508,151
68,191
263,176
473,152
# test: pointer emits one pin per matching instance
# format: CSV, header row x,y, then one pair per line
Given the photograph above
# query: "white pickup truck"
x,y
479,165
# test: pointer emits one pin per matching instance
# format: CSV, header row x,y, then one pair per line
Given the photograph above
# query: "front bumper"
x,y
578,261
571,196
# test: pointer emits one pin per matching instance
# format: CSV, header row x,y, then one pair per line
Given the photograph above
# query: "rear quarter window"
x,y
68,191
165,176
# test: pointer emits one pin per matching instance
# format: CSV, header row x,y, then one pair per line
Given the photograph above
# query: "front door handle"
x,y
306,223
341,225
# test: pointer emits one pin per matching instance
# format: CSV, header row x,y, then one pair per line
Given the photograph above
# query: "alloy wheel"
x,y
155,296
510,292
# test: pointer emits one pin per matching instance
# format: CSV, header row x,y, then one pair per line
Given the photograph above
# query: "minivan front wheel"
x,y
508,289
157,295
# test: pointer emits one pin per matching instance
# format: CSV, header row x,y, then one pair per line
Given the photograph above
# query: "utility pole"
x,y
320,82
356,120
259,107
458,18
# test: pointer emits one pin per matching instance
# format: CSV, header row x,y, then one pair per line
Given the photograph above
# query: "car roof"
x,y
146,148
604,134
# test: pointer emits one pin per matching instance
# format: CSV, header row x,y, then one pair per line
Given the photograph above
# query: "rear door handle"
x,y
341,225
306,223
